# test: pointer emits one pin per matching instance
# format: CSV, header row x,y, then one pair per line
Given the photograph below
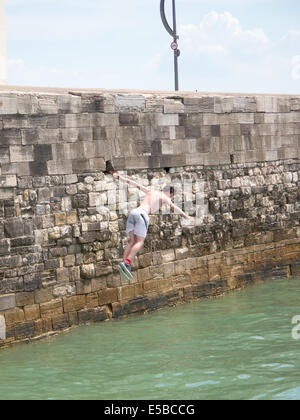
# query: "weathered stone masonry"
x,y
59,253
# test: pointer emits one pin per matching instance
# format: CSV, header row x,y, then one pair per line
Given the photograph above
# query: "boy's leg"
x,y
125,267
130,253
129,246
136,247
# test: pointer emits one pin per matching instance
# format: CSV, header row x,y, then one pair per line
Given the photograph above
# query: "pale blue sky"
x,y
226,45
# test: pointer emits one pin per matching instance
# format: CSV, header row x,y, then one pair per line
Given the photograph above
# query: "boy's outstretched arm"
x,y
176,209
129,181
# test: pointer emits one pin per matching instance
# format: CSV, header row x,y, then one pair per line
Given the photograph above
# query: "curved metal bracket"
x,y
164,19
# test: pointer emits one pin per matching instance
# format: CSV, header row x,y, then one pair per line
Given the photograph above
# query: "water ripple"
x,y
241,342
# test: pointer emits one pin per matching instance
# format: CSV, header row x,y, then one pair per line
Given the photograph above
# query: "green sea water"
x,y
238,346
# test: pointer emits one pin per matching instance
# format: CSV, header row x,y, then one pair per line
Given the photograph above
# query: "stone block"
x,y
83,287
62,275
180,267
73,318
64,290
192,131
44,195
172,106
96,199
138,162
32,282
295,269
143,274
23,241
48,136
181,253
60,219
80,201
4,155
42,152
71,179
25,298
7,302
6,193
42,326
85,316
63,167
211,119
30,136
8,181
14,227
151,286
154,105
8,104
195,159
129,119
60,322
69,135
165,285
83,120
167,119
9,137
87,271
215,131
120,309
132,102
172,161
97,164
43,295
98,283
168,256
23,330
47,104
92,300
206,104
72,217
74,303
14,316
145,260
107,296
52,308
69,103
21,153
37,168
126,293
168,270
32,312
224,105
81,166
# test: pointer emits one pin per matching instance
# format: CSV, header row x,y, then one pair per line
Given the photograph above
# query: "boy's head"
x,y
109,168
169,191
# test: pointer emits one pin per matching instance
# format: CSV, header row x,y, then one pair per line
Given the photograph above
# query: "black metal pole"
x,y
175,51
173,33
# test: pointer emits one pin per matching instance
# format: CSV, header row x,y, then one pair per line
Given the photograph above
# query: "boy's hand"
x,y
115,175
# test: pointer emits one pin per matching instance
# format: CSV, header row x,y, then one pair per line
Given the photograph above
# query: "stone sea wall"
x,y
233,161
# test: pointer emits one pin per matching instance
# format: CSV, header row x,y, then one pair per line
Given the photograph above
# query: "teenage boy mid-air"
x,y
138,219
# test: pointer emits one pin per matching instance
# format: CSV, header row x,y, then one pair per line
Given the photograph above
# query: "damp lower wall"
x,y
234,163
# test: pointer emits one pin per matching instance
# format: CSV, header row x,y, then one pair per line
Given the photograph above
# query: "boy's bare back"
x,y
154,201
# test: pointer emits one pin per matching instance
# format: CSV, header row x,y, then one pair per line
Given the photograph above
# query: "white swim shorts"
x,y
138,222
